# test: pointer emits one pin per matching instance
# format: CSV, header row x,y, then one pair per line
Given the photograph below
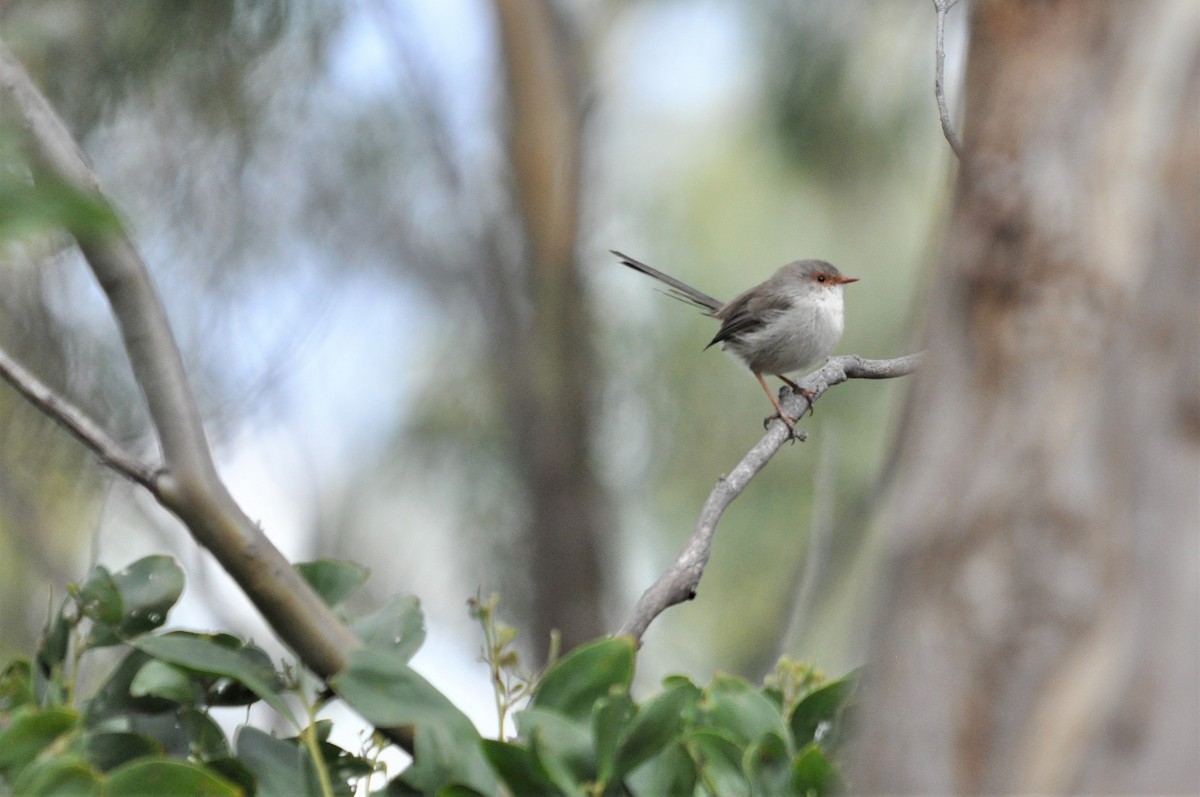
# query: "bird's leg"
x,y
803,391
790,423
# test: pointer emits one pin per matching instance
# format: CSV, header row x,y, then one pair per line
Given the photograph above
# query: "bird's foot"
x,y
790,423
802,391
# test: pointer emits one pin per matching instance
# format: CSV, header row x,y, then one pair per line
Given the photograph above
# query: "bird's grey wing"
x,y
745,314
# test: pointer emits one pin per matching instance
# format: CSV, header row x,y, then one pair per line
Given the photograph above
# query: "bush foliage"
x,y
147,728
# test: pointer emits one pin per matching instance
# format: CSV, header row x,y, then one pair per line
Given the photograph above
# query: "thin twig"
x,y
75,421
942,7
679,582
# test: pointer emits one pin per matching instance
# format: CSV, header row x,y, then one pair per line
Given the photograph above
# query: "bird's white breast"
x,y
799,337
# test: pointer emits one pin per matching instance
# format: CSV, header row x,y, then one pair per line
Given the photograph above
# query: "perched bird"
x,y
789,323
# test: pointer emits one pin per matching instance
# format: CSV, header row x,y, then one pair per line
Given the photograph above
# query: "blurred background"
x,y
381,231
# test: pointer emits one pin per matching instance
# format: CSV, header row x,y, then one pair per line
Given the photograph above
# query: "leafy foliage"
x,y
147,729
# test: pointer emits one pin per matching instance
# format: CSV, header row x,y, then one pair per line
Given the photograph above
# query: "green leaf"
x,y
389,693
398,626
149,588
553,767
28,209
671,771
278,765
29,732
234,771
814,716
110,749
659,722
518,769
185,732
814,775
204,656
159,679
113,698
573,685
229,692
767,764
457,790
61,776
333,579
167,778
609,722
52,647
718,762
342,765
99,598
563,747
16,686
740,712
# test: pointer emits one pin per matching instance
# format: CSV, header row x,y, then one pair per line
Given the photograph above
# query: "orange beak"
x,y
846,280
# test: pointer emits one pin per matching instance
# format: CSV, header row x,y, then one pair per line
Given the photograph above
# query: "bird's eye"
x,y
820,278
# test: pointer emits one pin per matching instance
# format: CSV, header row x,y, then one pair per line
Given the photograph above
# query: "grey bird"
x,y
789,323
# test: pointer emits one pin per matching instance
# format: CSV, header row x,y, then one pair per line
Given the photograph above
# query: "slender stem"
x,y
942,7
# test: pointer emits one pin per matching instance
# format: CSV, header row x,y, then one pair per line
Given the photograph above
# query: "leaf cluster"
x,y
148,727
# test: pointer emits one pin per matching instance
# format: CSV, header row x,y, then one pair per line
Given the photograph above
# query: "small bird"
x,y
789,323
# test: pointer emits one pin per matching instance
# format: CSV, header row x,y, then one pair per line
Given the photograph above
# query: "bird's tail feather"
x,y
679,290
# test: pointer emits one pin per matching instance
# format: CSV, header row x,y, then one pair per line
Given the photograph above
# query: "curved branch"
x,y
942,7
188,484
679,582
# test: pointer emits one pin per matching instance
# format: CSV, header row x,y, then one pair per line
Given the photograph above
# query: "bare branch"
x,y
679,582
75,421
942,7
188,484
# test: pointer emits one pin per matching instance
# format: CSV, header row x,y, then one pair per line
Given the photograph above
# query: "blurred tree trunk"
x,y
1040,621
548,384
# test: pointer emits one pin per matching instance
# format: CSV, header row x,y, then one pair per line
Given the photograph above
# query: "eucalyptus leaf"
x,y
740,711
204,656
334,580
30,731
814,716
60,776
149,588
278,765
574,684
398,626
166,777
518,768
389,693
98,597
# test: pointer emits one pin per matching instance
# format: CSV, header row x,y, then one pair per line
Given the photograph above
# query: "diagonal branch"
x,y
942,7
188,484
75,421
679,582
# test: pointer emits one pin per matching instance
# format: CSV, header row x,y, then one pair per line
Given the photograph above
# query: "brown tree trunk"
x,y
549,389
1040,621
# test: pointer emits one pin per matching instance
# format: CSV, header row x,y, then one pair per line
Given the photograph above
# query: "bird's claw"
x,y
790,423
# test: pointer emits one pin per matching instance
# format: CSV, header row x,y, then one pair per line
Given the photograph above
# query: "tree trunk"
x,y
1040,623
549,389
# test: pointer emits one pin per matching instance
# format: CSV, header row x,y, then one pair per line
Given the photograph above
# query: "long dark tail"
x,y
679,290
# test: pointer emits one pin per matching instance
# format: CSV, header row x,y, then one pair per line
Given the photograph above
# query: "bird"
x,y
788,323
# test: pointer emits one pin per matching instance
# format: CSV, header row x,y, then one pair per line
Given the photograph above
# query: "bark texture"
x,y
1039,629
